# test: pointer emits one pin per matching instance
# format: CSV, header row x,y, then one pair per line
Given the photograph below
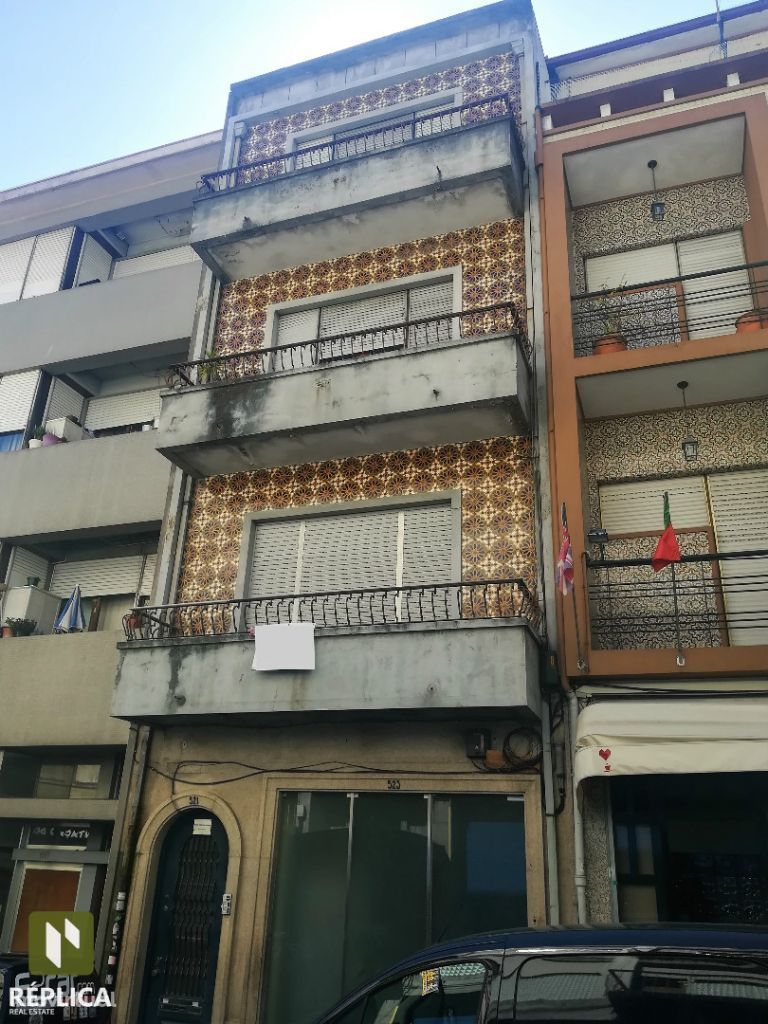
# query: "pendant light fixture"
x,y
690,445
658,208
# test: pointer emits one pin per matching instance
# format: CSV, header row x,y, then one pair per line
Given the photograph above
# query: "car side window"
x,y
443,994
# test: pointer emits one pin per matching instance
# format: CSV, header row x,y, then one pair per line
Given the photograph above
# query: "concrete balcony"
x,y
432,174
383,398
67,490
73,674
64,328
469,646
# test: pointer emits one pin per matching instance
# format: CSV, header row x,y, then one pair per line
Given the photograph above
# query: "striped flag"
x,y
564,571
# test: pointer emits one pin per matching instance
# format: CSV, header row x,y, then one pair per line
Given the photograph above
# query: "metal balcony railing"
x,y
405,337
332,148
707,600
487,599
671,310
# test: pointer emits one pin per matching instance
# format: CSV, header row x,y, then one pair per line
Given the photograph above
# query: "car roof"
x,y
554,939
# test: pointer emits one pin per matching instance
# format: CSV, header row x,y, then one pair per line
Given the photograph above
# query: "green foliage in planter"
x,y
22,627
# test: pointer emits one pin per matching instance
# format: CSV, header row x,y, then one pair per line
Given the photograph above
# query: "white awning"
x,y
662,737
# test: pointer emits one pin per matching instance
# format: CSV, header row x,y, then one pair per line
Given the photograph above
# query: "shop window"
x,y
24,775
380,875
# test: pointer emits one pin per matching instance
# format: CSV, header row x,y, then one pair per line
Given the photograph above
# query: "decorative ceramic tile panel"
x,y
621,224
491,76
491,256
497,502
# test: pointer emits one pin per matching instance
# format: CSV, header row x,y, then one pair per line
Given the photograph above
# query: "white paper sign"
x,y
202,827
290,646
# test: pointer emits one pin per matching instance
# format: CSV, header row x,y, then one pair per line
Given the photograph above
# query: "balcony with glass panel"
x,y
414,174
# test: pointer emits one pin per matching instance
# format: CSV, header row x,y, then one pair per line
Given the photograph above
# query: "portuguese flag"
x,y
667,550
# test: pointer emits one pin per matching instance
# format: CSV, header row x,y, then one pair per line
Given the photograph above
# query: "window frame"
x,y
306,136
395,503
366,291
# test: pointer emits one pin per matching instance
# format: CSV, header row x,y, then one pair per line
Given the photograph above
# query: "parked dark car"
x,y
632,975
14,973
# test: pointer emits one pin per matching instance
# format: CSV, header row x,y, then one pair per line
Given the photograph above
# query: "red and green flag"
x,y
667,550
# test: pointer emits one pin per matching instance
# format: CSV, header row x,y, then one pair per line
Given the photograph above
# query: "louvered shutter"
x,y
427,562
122,410
638,506
274,558
95,262
356,551
299,326
740,511
27,563
98,577
364,315
714,304
49,258
432,300
14,260
17,393
654,263
315,151
154,261
63,400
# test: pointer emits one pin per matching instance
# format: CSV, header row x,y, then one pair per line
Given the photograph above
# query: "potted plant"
x,y
208,373
607,311
753,320
37,437
20,627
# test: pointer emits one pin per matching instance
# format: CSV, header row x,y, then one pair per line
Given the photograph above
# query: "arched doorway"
x,y
180,969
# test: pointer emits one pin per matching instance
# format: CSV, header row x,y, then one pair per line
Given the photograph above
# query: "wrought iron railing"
x,y
706,600
407,336
441,602
671,310
390,134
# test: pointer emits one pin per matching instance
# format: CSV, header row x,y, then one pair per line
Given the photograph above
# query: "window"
x,y
379,876
371,323
117,414
34,266
672,986
443,994
30,775
410,546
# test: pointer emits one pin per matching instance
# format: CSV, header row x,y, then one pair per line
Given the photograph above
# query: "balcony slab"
x,y
445,394
426,668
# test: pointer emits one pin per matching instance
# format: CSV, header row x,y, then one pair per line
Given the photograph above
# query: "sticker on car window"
x,y
430,981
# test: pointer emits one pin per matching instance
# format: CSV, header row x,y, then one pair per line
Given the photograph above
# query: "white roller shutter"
x,y
95,262
740,511
148,576
122,410
27,563
301,325
654,263
14,259
274,558
98,577
346,318
154,261
49,258
63,400
17,393
638,506
356,551
714,304
428,545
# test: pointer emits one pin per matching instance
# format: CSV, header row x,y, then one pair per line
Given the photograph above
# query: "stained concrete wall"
x,y
56,691
65,490
112,317
424,667
451,392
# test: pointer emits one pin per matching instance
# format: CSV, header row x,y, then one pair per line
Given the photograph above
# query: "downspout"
x,y
553,887
579,874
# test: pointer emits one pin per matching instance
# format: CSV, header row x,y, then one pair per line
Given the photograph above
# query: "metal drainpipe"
x,y
579,876
553,887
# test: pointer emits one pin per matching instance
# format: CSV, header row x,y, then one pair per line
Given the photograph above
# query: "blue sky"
x,y
86,80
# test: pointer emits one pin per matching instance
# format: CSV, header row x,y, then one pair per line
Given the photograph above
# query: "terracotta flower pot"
x,y
609,343
7,632
754,320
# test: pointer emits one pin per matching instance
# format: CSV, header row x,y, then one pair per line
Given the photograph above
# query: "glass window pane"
x,y
304,971
478,865
621,849
644,840
438,995
387,909
54,780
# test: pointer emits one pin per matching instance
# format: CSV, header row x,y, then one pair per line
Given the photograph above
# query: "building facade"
x,y
98,289
355,444
653,158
